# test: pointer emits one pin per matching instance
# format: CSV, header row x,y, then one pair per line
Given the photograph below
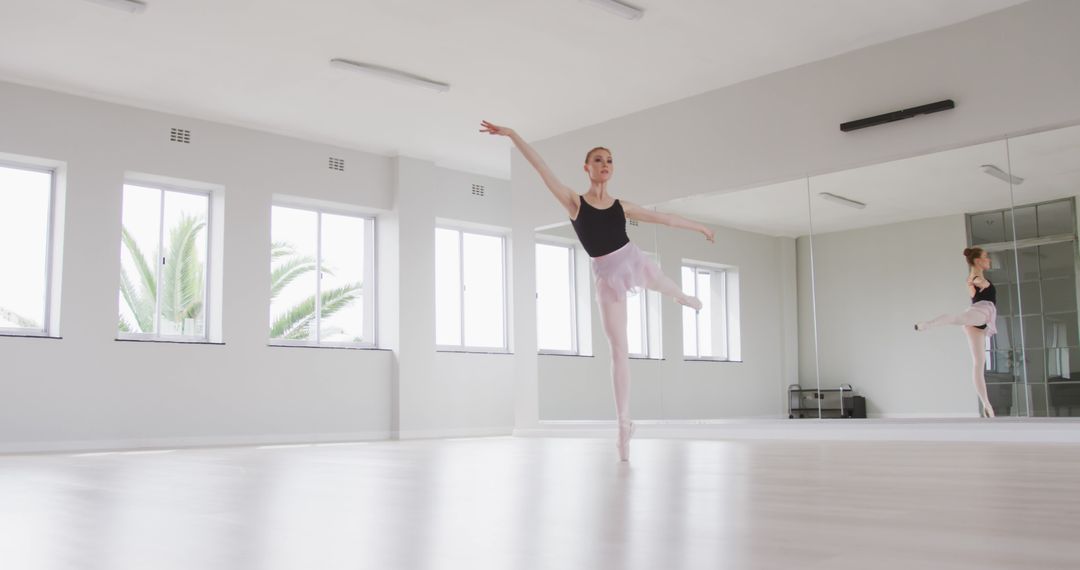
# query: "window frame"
x,y
651,323
461,230
370,324
651,330
724,311
46,329
575,345
157,336
643,301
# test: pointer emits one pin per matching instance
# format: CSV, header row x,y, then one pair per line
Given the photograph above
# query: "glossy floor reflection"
x,y
517,503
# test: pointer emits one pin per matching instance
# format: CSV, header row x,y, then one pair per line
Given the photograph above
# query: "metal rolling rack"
x,y
834,402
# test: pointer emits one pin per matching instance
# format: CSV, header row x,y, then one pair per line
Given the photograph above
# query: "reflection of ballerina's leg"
x,y
613,317
977,344
969,318
657,281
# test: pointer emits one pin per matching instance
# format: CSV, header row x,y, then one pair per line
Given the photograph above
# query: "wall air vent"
x,y
477,190
337,164
180,136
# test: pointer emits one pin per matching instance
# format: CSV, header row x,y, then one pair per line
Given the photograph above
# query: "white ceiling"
x,y
543,67
945,183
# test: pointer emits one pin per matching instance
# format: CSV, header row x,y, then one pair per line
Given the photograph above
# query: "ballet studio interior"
x,y
335,284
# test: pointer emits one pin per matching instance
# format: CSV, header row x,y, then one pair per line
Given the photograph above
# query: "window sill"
x,y
647,358
541,353
169,341
29,335
328,346
692,359
473,351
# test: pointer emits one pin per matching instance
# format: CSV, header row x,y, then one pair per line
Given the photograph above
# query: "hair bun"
x,y
968,251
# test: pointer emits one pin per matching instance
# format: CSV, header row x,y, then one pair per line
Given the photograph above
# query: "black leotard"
x,y
600,231
987,294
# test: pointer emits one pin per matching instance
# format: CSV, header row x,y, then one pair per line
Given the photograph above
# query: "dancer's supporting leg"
x,y
977,344
657,281
968,318
613,316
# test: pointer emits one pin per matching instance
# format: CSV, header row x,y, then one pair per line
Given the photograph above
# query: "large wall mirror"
x,y
737,358
1045,176
888,242
888,247
814,287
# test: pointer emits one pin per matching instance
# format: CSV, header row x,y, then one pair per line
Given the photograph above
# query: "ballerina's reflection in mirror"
x,y
978,321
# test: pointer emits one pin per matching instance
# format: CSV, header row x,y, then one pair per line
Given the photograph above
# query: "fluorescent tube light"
x,y
391,74
842,200
130,6
1001,174
133,452
620,9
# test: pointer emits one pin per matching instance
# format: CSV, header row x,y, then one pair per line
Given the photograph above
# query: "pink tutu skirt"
x,y
621,271
990,310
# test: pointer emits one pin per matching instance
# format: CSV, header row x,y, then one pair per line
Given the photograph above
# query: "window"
x,y
556,299
322,278
470,290
643,324
163,263
26,196
713,332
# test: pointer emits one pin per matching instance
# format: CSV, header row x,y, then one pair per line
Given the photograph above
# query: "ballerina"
x,y
618,265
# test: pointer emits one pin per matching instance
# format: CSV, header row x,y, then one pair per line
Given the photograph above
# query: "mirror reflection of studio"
x,y
839,269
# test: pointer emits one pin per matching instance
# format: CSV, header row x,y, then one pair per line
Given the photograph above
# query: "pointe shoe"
x,y
918,328
623,442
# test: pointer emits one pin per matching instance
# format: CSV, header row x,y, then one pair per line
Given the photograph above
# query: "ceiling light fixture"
x,y
1001,174
620,9
391,74
842,200
130,6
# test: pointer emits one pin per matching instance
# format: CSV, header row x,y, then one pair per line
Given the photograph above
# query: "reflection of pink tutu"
x,y
990,310
623,270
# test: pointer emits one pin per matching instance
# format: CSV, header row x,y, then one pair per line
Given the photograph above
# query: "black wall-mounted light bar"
x,y
897,115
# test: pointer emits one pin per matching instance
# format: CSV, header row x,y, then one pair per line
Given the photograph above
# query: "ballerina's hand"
x,y
494,129
710,235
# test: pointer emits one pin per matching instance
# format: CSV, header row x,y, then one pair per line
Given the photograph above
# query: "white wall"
x,y
579,388
872,286
467,394
87,390
1009,72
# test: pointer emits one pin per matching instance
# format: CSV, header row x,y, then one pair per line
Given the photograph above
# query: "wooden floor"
x,y
558,503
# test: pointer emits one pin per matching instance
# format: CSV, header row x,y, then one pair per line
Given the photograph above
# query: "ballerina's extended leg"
x,y
968,318
657,281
